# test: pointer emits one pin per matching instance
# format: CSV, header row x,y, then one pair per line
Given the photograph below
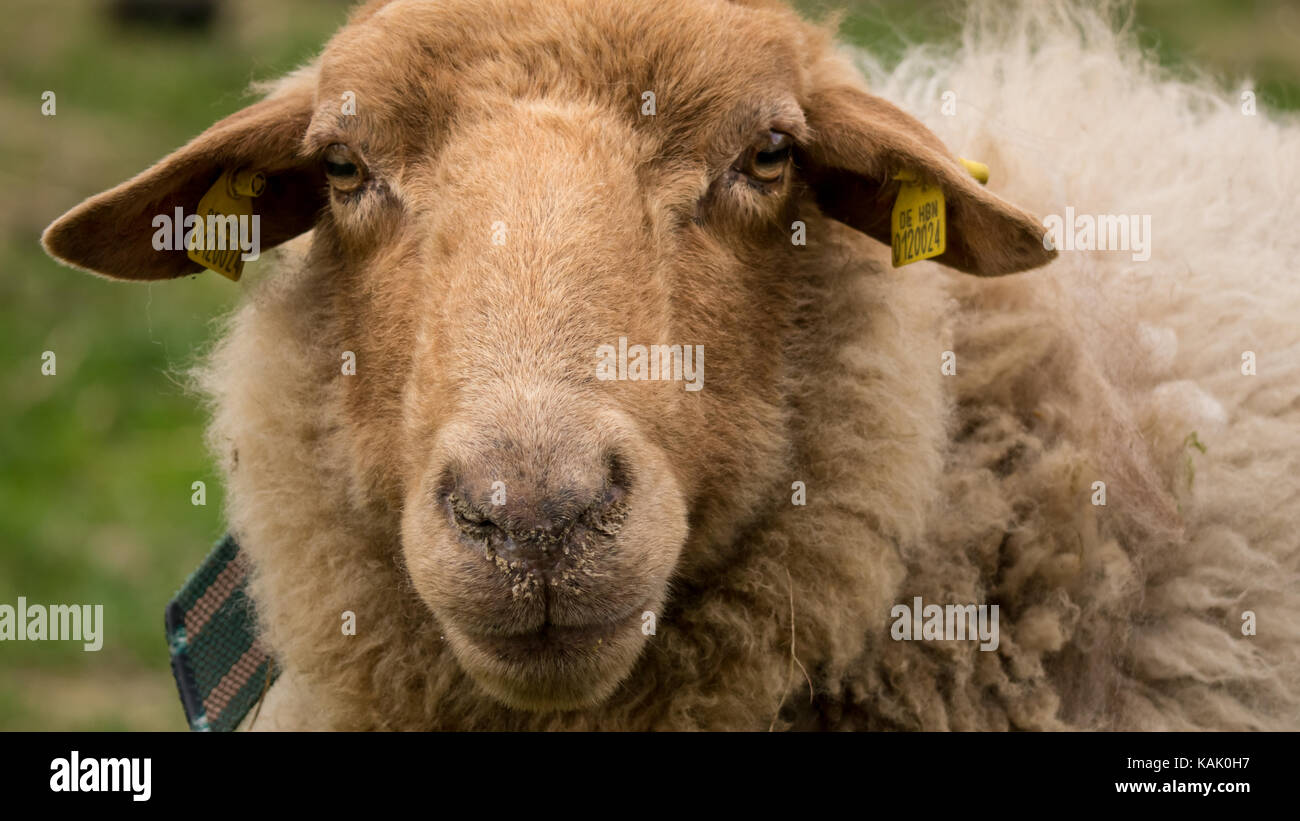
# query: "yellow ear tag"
x,y
978,170
224,217
918,224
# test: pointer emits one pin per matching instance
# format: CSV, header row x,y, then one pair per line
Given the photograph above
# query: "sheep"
x,y
526,546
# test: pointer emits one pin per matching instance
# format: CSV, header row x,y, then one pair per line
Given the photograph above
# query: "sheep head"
x,y
519,197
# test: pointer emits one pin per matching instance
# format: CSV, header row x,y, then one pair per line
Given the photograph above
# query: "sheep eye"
x,y
342,168
766,159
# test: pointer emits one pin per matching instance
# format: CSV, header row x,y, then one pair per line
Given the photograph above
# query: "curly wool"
x,y
1127,616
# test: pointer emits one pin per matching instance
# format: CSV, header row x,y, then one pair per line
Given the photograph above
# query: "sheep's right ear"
x,y
112,233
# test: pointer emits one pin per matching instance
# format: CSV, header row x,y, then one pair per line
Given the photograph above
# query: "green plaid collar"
x,y
221,668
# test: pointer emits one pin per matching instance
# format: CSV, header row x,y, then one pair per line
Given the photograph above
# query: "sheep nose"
x,y
537,523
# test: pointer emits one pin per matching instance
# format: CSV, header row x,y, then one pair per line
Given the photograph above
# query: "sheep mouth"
x,y
550,640
555,668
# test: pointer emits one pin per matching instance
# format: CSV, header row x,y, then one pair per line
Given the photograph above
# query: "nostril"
x,y
607,514
537,526
470,519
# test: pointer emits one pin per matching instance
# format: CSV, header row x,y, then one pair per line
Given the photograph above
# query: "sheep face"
x,y
545,507
544,223
508,203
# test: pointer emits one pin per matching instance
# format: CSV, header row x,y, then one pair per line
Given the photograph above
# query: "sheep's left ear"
x,y
113,233
860,142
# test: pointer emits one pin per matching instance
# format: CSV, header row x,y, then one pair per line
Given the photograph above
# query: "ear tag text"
x,y
214,242
918,224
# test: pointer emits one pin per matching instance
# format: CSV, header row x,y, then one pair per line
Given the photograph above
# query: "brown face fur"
x,y
609,218
518,210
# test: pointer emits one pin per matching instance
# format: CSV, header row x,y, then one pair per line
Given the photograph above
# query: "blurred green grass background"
x,y
97,461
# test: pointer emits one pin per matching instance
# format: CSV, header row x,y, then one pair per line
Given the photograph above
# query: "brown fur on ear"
x,y
860,142
112,233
